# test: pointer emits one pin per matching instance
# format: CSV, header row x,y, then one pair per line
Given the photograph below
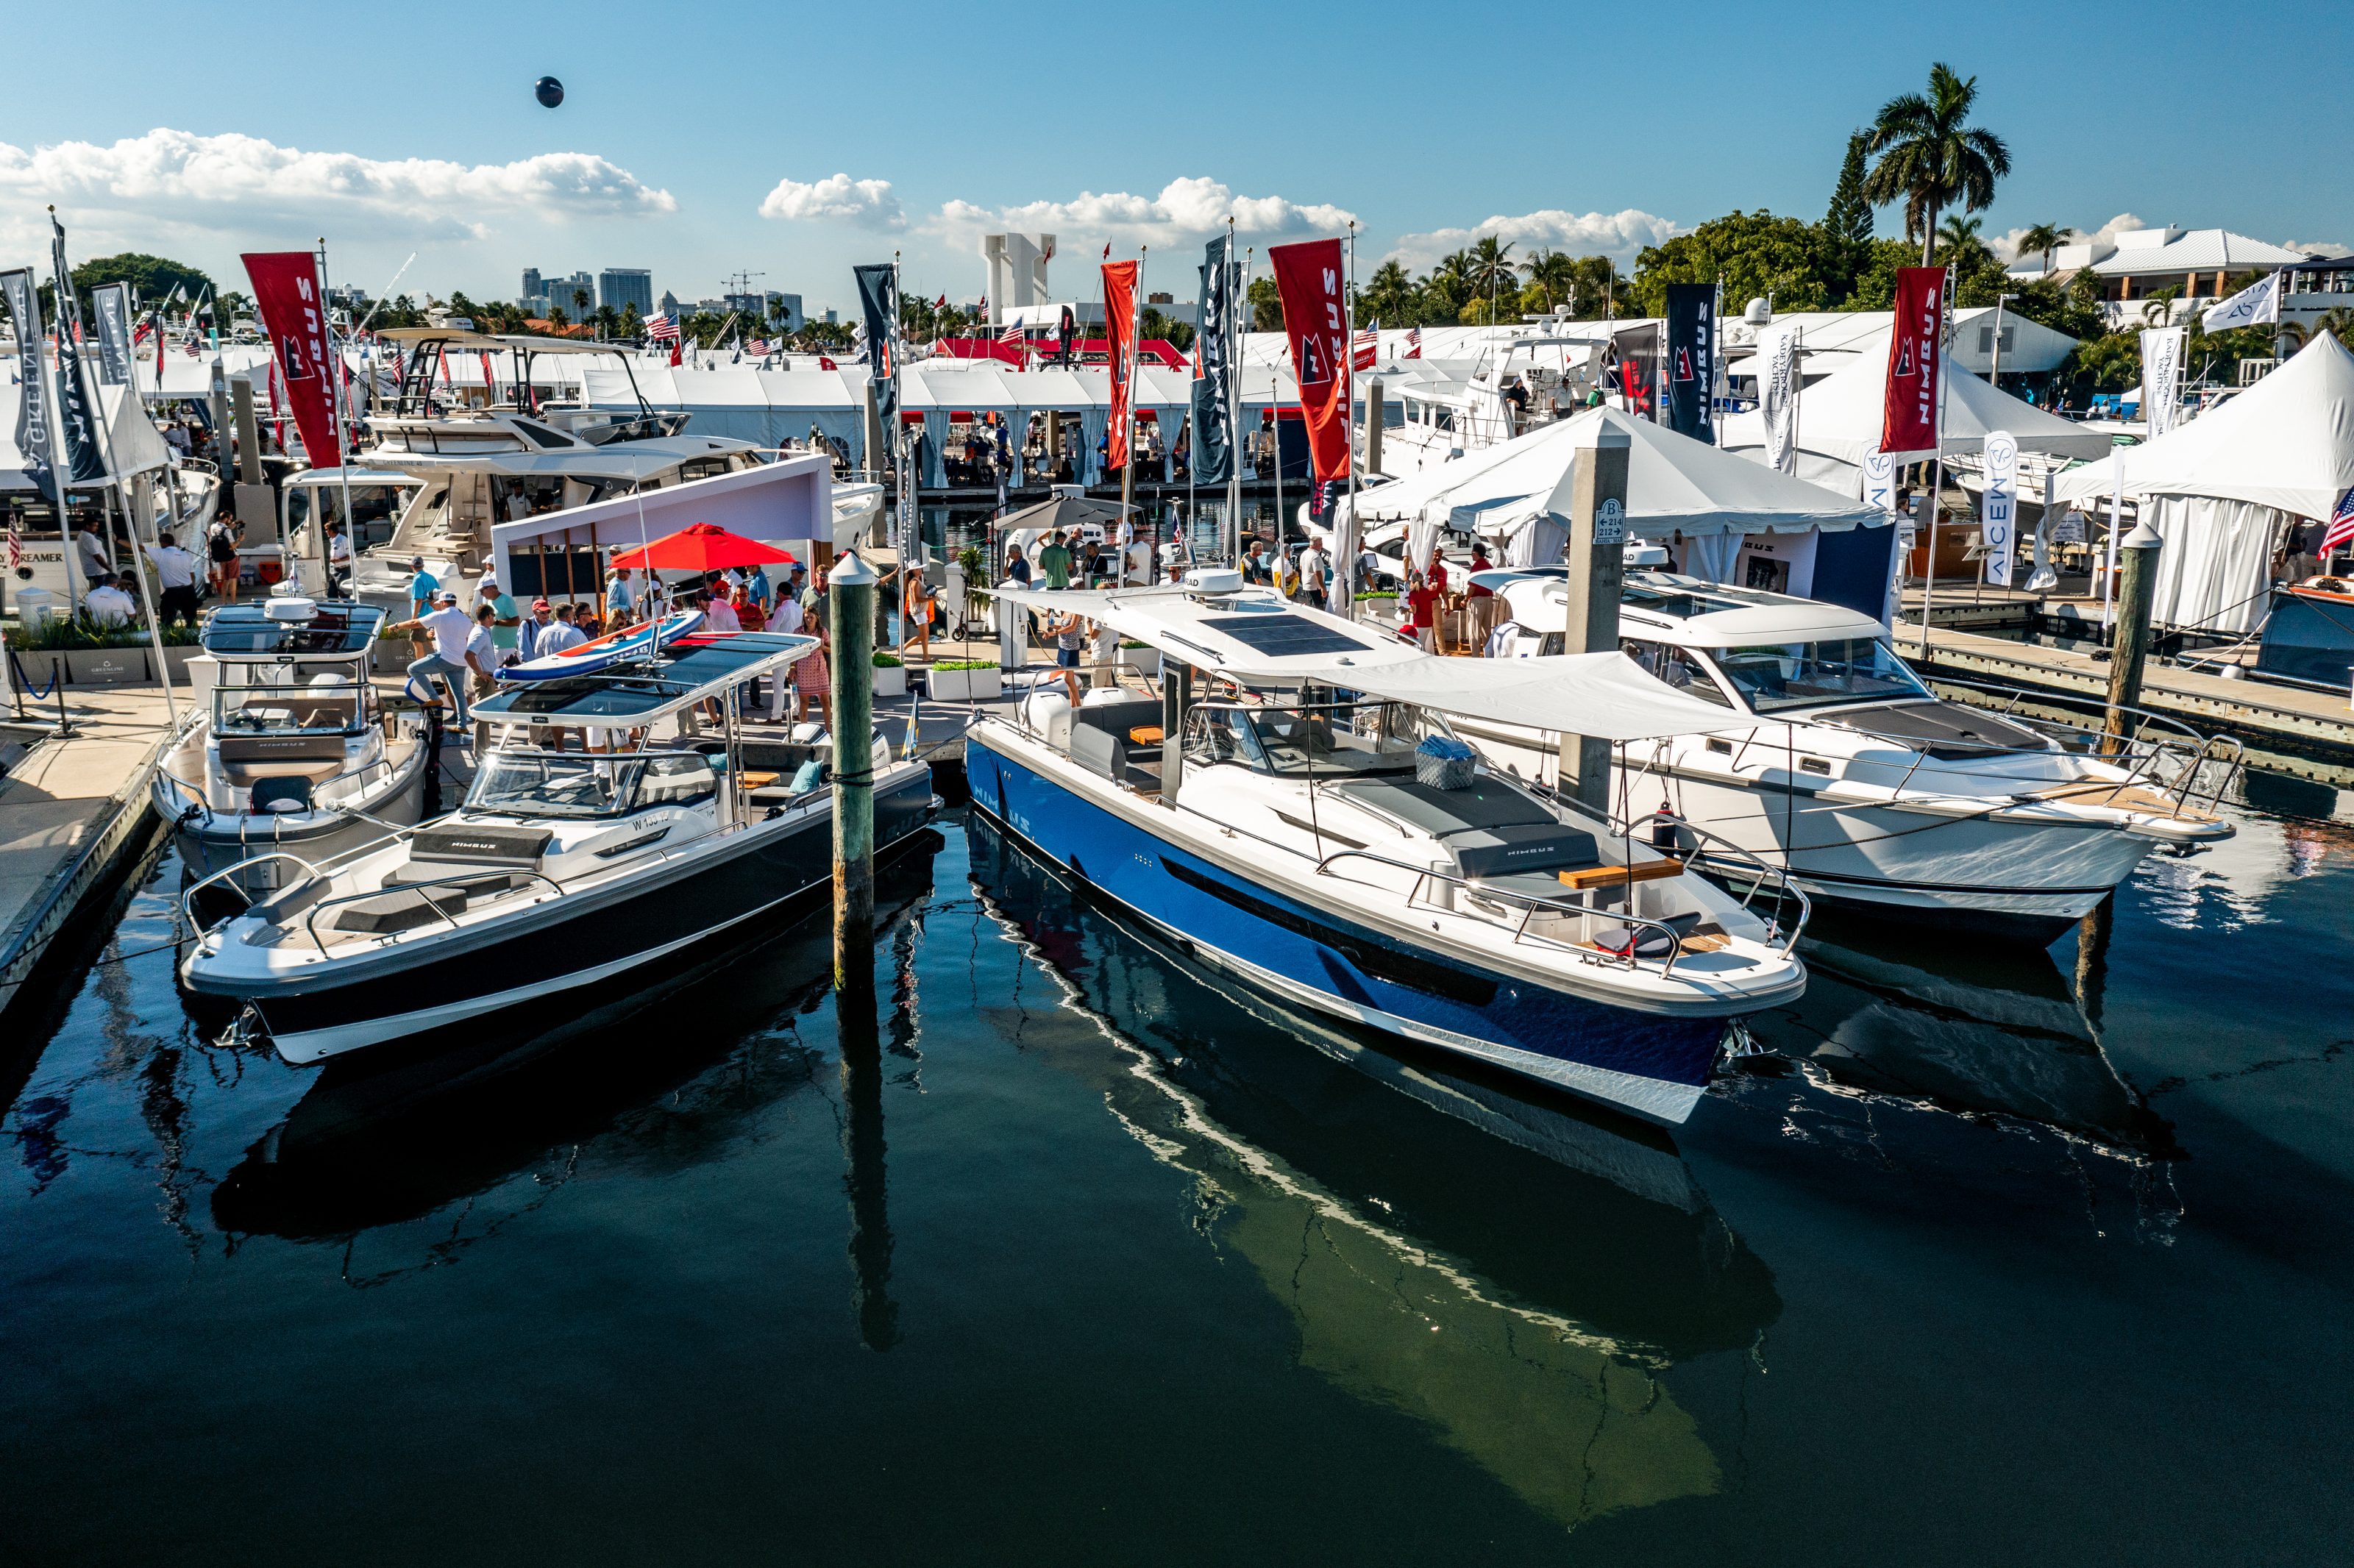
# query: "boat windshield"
x,y
1810,674
1367,739
547,784
299,699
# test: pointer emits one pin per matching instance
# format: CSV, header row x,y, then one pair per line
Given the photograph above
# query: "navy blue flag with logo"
x,y
1213,440
21,288
110,305
1691,359
878,297
77,418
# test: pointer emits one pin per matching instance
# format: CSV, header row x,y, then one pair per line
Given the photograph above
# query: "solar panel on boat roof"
x,y
1284,636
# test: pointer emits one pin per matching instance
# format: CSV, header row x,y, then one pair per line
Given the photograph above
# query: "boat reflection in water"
x,y
1517,1276
1983,1030
598,1080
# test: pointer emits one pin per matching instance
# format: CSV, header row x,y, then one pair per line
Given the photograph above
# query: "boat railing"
x,y
2173,762
1530,904
1763,872
504,875
188,894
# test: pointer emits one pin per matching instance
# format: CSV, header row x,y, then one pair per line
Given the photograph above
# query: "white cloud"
x,y
2317,246
1185,209
2005,245
184,181
838,198
1619,234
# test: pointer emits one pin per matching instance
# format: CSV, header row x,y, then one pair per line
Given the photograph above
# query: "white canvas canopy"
x,y
1841,419
2223,488
1605,695
136,448
1674,485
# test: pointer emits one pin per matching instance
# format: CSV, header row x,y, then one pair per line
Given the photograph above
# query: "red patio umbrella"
x,y
700,547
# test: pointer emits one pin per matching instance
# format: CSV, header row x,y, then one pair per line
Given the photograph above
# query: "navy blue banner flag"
x,y
22,290
1636,353
1691,359
111,304
77,417
878,297
1213,440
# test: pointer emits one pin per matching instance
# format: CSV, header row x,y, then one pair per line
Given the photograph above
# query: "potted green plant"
x,y
890,675
1140,656
965,681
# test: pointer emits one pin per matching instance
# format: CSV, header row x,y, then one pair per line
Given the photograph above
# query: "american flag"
x,y
2341,524
1414,342
1366,347
758,346
1013,333
662,329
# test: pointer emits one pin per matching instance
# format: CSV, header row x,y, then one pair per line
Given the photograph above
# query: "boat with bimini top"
x,y
610,824
1294,809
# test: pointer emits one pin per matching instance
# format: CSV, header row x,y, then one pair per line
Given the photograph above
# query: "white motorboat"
x,y
607,829
289,748
1305,821
1868,788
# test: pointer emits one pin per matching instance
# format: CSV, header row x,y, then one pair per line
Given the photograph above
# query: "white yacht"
x,y
607,829
1851,773
289,748
1304,819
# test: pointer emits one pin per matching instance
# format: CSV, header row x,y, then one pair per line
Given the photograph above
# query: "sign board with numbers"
x,y
1610,523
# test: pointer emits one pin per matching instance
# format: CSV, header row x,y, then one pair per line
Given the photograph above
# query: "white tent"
x,y
1840,421
135,448
1674,485
2223,488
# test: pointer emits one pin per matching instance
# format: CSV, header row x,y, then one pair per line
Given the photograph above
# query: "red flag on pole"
x,y
1120,326
286,291
1909,421
1308,278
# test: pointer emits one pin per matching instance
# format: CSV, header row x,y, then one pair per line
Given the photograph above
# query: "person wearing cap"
x,y
450,629
561,634
541,618
507,622
718,614
422,588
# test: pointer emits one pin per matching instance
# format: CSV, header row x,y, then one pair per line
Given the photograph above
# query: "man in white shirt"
x,y
482,650
90,548
449,628
1312,575
109,605
559,635
339,560
177,570
718,615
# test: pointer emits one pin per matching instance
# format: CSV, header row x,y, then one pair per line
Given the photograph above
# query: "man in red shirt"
x,y
1422,611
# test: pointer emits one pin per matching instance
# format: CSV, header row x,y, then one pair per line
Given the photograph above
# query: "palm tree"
x,y
1959,233
2042,239
1388,296
1491,264
1930,160
1552,272
2160,305
1456,269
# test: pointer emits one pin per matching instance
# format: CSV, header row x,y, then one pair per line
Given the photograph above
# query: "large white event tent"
x,y
2224,489
1721,506
1840,417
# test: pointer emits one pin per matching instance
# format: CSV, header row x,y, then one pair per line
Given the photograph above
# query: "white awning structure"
x,y
2224,489
1674,485
1841,419
1605,695
789,499
133,444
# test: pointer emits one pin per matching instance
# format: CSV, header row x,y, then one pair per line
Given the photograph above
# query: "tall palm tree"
x,y
2160,305
1456,269
2042,239
1930,159
1388,296
1554,274
1491,264
1959,233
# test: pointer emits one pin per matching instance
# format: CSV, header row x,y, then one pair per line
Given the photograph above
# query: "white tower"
x,y
1017,271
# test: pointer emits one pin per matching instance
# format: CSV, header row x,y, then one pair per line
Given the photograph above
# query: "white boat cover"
x,y
1605,695
1674,485
1841,419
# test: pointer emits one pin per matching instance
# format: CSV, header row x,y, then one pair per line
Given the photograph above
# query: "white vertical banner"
x,y
1999,514
1777,395
1880,490
2161,373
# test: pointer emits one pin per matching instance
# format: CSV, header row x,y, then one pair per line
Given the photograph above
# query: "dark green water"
x,y
1994,1258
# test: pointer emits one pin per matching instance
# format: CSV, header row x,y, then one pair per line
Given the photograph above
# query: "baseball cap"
x,y
415,563
447,596
539,604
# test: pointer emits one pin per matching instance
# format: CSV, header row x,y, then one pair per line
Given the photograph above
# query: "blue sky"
x,y
413,128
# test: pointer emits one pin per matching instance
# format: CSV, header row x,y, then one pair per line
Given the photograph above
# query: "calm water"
x,y
1992,1257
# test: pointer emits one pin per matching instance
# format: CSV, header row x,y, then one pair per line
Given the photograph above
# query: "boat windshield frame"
x,y
623,776
1729,664
233,699
1251,737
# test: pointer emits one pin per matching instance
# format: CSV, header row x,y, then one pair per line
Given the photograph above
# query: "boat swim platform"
x,y
74,813
2300,731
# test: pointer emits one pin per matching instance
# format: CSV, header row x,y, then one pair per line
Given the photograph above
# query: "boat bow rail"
x,y
2189,770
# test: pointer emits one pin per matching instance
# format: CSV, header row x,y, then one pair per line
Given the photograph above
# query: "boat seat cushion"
x,y
247,758
475,843
1491,828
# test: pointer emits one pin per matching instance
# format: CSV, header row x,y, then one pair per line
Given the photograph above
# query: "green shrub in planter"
x,y
956,664
886,661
